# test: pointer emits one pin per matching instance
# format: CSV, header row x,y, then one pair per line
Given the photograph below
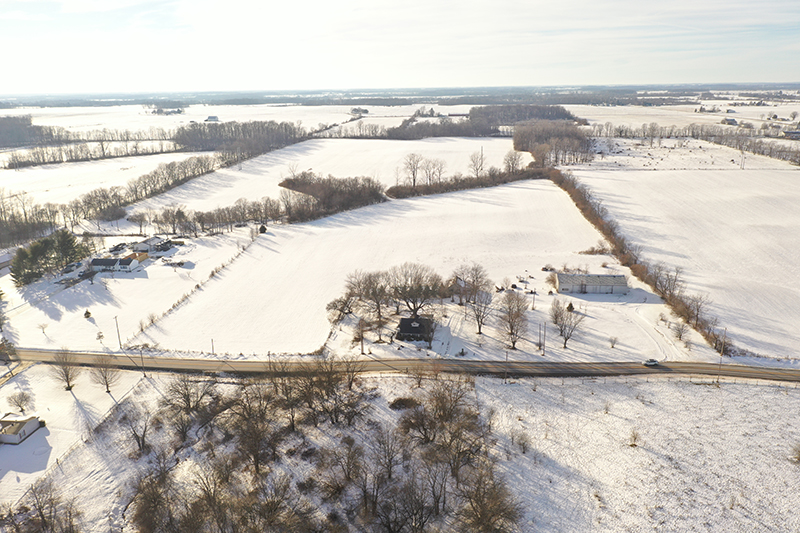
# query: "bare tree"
x,y
413,164
373,292
680,329
512,316
489,505
481,307
414,284
512,161
66,368
104,372
477,163
565,320
20,399
137,420
189,393
433,170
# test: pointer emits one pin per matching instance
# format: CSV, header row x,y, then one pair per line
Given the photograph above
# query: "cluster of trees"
x,y
693,308
330,195
45,256
238,140
431,468
553,142
508,115
376,295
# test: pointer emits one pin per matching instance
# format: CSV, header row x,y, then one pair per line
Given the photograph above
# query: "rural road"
x,y
511,368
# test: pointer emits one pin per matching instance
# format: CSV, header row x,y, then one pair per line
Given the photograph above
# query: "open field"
x,y
62,183
343,158
728,229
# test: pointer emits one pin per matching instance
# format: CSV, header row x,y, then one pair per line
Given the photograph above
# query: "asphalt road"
x,y
135,360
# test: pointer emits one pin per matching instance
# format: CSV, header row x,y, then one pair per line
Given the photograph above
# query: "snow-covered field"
x,y
139,118
730,230
62,183
273,297
707,458
343,158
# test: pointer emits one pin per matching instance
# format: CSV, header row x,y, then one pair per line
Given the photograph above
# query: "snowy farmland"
x,y
730,230
62,183
343,158
273,297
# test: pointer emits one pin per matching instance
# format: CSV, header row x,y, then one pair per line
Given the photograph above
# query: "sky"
x,y
96,46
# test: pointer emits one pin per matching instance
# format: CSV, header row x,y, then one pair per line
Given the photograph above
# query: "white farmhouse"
x,y
15,429
591,283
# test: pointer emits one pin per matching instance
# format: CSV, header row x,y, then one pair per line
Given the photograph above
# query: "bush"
x,y
399,404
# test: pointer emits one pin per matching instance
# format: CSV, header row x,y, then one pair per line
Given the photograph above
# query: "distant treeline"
x,y
481,122
491,178
553,142
247,139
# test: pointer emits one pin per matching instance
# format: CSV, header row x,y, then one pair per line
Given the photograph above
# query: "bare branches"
x,y
66,369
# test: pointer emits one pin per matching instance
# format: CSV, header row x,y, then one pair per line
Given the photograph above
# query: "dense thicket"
x,y
245,139
458,183
553,142
331,195
16,131
507,115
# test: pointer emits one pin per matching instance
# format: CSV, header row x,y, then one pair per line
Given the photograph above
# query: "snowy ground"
x,y
729,230
62,183
71,417
151,289
342,158
708,458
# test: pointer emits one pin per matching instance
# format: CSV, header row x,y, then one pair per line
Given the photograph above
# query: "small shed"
x,y
15,428
5,260
591,283
414,329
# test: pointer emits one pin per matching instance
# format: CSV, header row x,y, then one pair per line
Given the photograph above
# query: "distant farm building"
x,y
153,244
591,283
15,429
729,121
415,329
794,135
212,118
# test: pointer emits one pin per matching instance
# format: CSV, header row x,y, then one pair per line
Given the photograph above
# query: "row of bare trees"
x,y
552,142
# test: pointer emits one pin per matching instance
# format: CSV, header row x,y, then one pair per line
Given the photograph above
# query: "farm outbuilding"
x,y
15,429
153,244
591,283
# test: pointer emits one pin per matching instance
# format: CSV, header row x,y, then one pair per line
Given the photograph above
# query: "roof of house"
x,y
415,325
104,262
153,241
12,424
125,262
592,279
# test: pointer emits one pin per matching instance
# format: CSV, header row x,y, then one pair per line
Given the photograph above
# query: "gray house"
x,y
591,283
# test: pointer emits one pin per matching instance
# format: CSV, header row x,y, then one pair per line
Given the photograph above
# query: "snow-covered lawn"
x,y
71,417
343,158
131,298
730,230
62,183
707,458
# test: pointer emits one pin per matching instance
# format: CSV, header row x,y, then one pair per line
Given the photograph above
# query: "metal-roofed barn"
x,y
591,283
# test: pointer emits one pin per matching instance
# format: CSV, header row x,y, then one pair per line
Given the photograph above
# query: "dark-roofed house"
x,y
414,329
591,283
15,429
126,265
101,265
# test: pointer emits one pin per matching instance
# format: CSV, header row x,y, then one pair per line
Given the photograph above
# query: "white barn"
x,y
591,283
15,429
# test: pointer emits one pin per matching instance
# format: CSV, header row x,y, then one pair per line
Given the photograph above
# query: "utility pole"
x,y
505,373
119,339
721,353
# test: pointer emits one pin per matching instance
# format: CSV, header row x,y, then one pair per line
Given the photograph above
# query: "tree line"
x,y
330,195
